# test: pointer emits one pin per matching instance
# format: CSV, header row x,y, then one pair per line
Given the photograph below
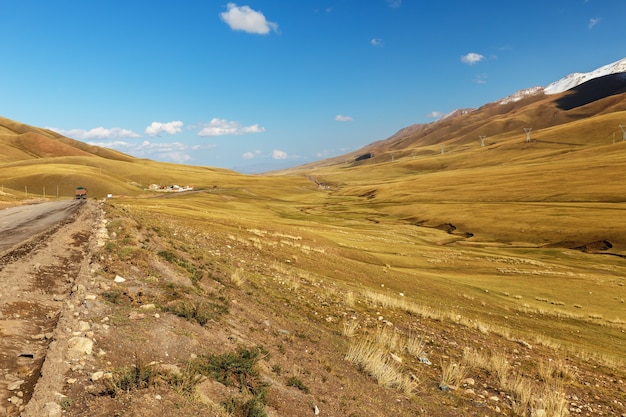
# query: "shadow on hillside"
x,y
593,90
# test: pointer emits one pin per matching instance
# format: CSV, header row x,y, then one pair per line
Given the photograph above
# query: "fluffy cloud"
x,y
276,154
156,128
376,42
394,4
434,114
247,20
221,127
342,118
96,133
472,58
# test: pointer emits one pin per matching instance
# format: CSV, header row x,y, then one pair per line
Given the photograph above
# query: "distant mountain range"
x,y
576,97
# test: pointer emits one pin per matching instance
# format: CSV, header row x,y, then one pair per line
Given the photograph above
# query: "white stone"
x,y
15,385
81,345
119,279
97,376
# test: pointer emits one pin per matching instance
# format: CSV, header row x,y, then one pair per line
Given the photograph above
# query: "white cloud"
x,y
394,4
594,21
434,114
472,58
157,128
376,42
221,127
342,118
173,151
247,20
276,154
251,155
96,133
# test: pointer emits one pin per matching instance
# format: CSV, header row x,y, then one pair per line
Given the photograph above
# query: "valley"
x,y
436,276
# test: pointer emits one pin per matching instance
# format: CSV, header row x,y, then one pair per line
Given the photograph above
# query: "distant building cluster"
x,y
170,188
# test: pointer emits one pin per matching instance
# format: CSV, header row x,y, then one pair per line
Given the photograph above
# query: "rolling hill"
x,y
487,280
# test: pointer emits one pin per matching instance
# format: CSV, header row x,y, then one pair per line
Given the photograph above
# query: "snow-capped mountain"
x,y
578,78
517,96
567,82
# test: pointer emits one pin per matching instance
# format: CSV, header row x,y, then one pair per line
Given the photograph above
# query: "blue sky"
x,y
258,85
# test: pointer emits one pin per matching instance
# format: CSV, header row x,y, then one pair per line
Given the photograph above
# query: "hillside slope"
x,y
500,121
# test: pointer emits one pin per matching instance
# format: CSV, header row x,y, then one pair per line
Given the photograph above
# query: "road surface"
x,y
43,249
20,223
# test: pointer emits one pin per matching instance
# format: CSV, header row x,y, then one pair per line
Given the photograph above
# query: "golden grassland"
x,y
516,207
563,297
480,238
323,270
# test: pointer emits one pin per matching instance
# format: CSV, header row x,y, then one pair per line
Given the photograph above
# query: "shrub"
x,y
294,381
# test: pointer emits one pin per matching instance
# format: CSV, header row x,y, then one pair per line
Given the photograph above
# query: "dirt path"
x,y
46,249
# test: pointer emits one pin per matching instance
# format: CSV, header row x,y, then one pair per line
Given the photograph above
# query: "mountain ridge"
x,y
590,94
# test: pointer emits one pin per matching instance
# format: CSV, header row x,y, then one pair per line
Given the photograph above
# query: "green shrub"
x,y
294,381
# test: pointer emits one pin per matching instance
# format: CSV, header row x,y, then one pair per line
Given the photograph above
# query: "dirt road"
x,y
44,249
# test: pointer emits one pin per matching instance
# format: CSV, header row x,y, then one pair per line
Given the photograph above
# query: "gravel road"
x,y
44,249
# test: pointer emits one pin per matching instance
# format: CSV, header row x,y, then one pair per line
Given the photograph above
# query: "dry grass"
x,y
350,328
375,361
452,374
237,277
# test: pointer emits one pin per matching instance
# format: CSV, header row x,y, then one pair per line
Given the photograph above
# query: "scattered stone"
x,y
148,307
469,381
90,297
83,326
81,345
424,360
136,316
97,376
15,385
119,279
52,409
17,401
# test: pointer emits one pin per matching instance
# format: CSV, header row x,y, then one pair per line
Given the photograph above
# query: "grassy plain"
x,y
340,263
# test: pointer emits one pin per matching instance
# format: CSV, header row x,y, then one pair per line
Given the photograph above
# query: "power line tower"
x,y
482,140
527,130
623,127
